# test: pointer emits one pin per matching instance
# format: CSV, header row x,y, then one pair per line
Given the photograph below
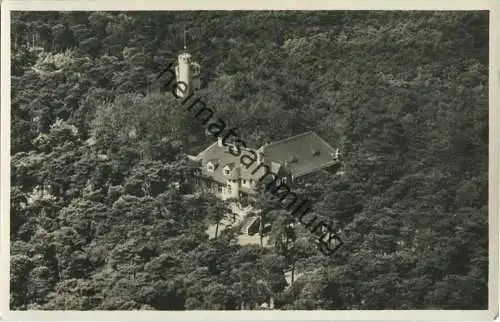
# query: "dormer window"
x,y
293,159
315,152
227,168
212,165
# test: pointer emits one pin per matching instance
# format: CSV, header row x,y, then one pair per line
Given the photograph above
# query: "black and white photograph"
x,y
249,160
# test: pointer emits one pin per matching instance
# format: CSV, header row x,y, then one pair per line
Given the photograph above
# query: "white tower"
x,y
188,72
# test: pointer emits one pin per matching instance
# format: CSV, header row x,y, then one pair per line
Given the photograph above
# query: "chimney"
x,y
219,141
271,303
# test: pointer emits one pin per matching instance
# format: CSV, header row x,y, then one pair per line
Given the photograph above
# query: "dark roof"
x,y
303,153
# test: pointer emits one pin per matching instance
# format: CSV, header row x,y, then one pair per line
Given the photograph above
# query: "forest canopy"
x,y
102,213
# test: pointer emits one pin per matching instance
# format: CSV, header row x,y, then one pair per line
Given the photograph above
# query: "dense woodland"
x,y
102,213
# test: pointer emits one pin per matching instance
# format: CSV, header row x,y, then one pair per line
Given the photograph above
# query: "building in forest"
x,y
289,159
219,170
226,176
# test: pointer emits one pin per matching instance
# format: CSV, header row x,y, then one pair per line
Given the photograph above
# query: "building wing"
x,y
303,154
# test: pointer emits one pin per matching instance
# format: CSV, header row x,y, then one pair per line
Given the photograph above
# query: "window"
x,y
227,169
212,165
229,188
244,181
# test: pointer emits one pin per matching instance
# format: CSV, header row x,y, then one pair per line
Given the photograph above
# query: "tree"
x,y
217,211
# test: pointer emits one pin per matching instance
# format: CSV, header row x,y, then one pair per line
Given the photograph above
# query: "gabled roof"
x,y
230,166
302,154
224,157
